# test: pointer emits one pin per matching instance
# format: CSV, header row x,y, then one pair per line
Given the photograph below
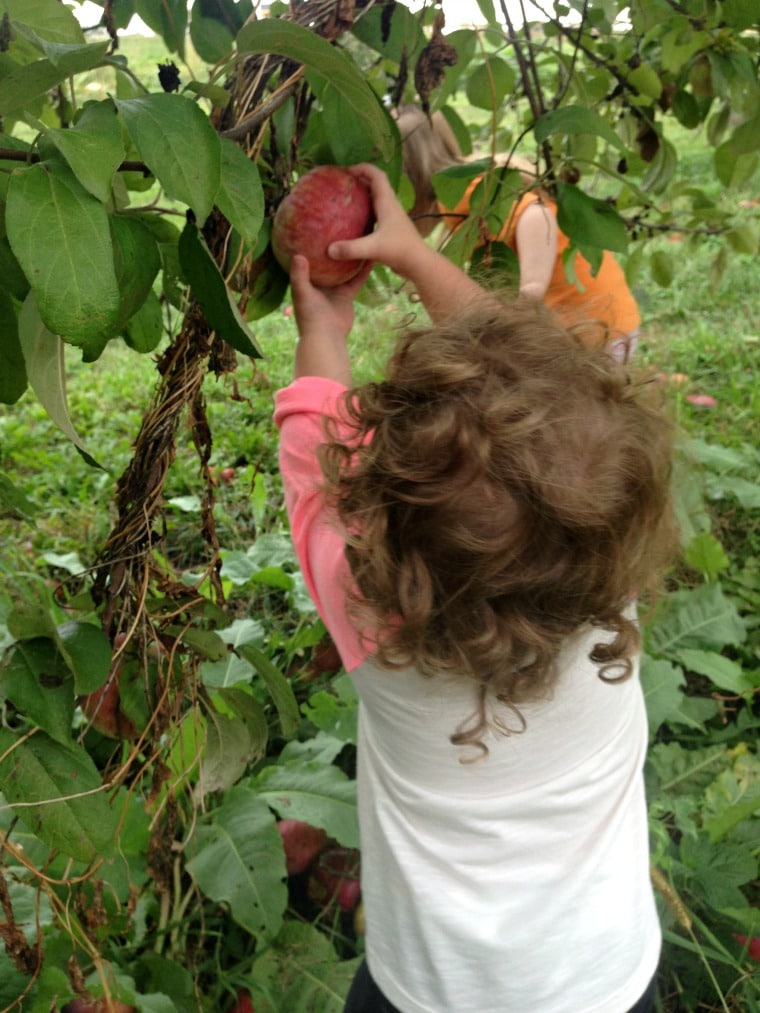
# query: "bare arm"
x,y
324,317
442,286
536,236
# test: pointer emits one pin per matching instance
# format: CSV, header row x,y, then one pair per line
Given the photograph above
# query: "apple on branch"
x,y
325,204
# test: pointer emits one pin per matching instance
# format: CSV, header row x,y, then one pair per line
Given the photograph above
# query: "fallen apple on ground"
x,y
325,204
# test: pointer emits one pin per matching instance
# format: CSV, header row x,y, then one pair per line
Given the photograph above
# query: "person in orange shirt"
x,y
592,302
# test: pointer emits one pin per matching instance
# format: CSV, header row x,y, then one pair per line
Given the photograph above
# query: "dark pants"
x,y
365,997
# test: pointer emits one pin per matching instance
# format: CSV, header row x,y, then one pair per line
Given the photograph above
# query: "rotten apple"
x,y
325,204
335,879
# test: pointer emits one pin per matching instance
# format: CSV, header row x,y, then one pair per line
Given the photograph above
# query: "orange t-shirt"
x,y
603,298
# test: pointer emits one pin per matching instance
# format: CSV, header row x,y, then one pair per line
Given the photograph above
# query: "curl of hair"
x,y
502,488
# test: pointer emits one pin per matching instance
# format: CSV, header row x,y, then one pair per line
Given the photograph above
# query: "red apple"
x,y
243,1003
302,843
325,204
752,943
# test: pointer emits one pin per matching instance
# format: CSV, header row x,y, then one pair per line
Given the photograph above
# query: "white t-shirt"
x,y
518,883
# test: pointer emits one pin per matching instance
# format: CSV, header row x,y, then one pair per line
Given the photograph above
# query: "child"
x,y
530,229
471,529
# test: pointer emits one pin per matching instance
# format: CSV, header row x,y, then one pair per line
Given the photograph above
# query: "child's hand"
x,y
442,286
395,241
324,317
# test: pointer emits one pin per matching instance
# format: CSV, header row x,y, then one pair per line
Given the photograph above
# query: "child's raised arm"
x,y
442,286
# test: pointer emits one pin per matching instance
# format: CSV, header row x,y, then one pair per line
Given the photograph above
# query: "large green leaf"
x,y
320,58
137,262
240,197
51,20
12,367
302,973
176,141
236,858
25,80
93,148
589,222
212,294
229,747
35,678
317,793
701,617
490,82
59,234
45,367
575,120
57,791
278,686
87,651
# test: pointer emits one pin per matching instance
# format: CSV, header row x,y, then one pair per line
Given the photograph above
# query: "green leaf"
x,y
663,684
212,40
646,81
205,642
705,553
298,43
144,329
588,221
317,793
278,686
167,18
490,83
228,751
13,502
176,141
345,135
303,971
27,82
45,367
701,617
402,37
51,21
236,858
575,120
724,673
93,148
12,366
57,791
35,678
136,261
87,652
240,197
215,299
59,233
335,711
68,58
734,170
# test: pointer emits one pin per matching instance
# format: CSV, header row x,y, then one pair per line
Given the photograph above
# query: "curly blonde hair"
x,y
502,488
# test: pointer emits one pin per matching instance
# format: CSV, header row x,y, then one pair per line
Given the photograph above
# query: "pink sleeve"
x,y
299,414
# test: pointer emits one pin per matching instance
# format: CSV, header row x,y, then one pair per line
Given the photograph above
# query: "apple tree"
x,y
150,745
